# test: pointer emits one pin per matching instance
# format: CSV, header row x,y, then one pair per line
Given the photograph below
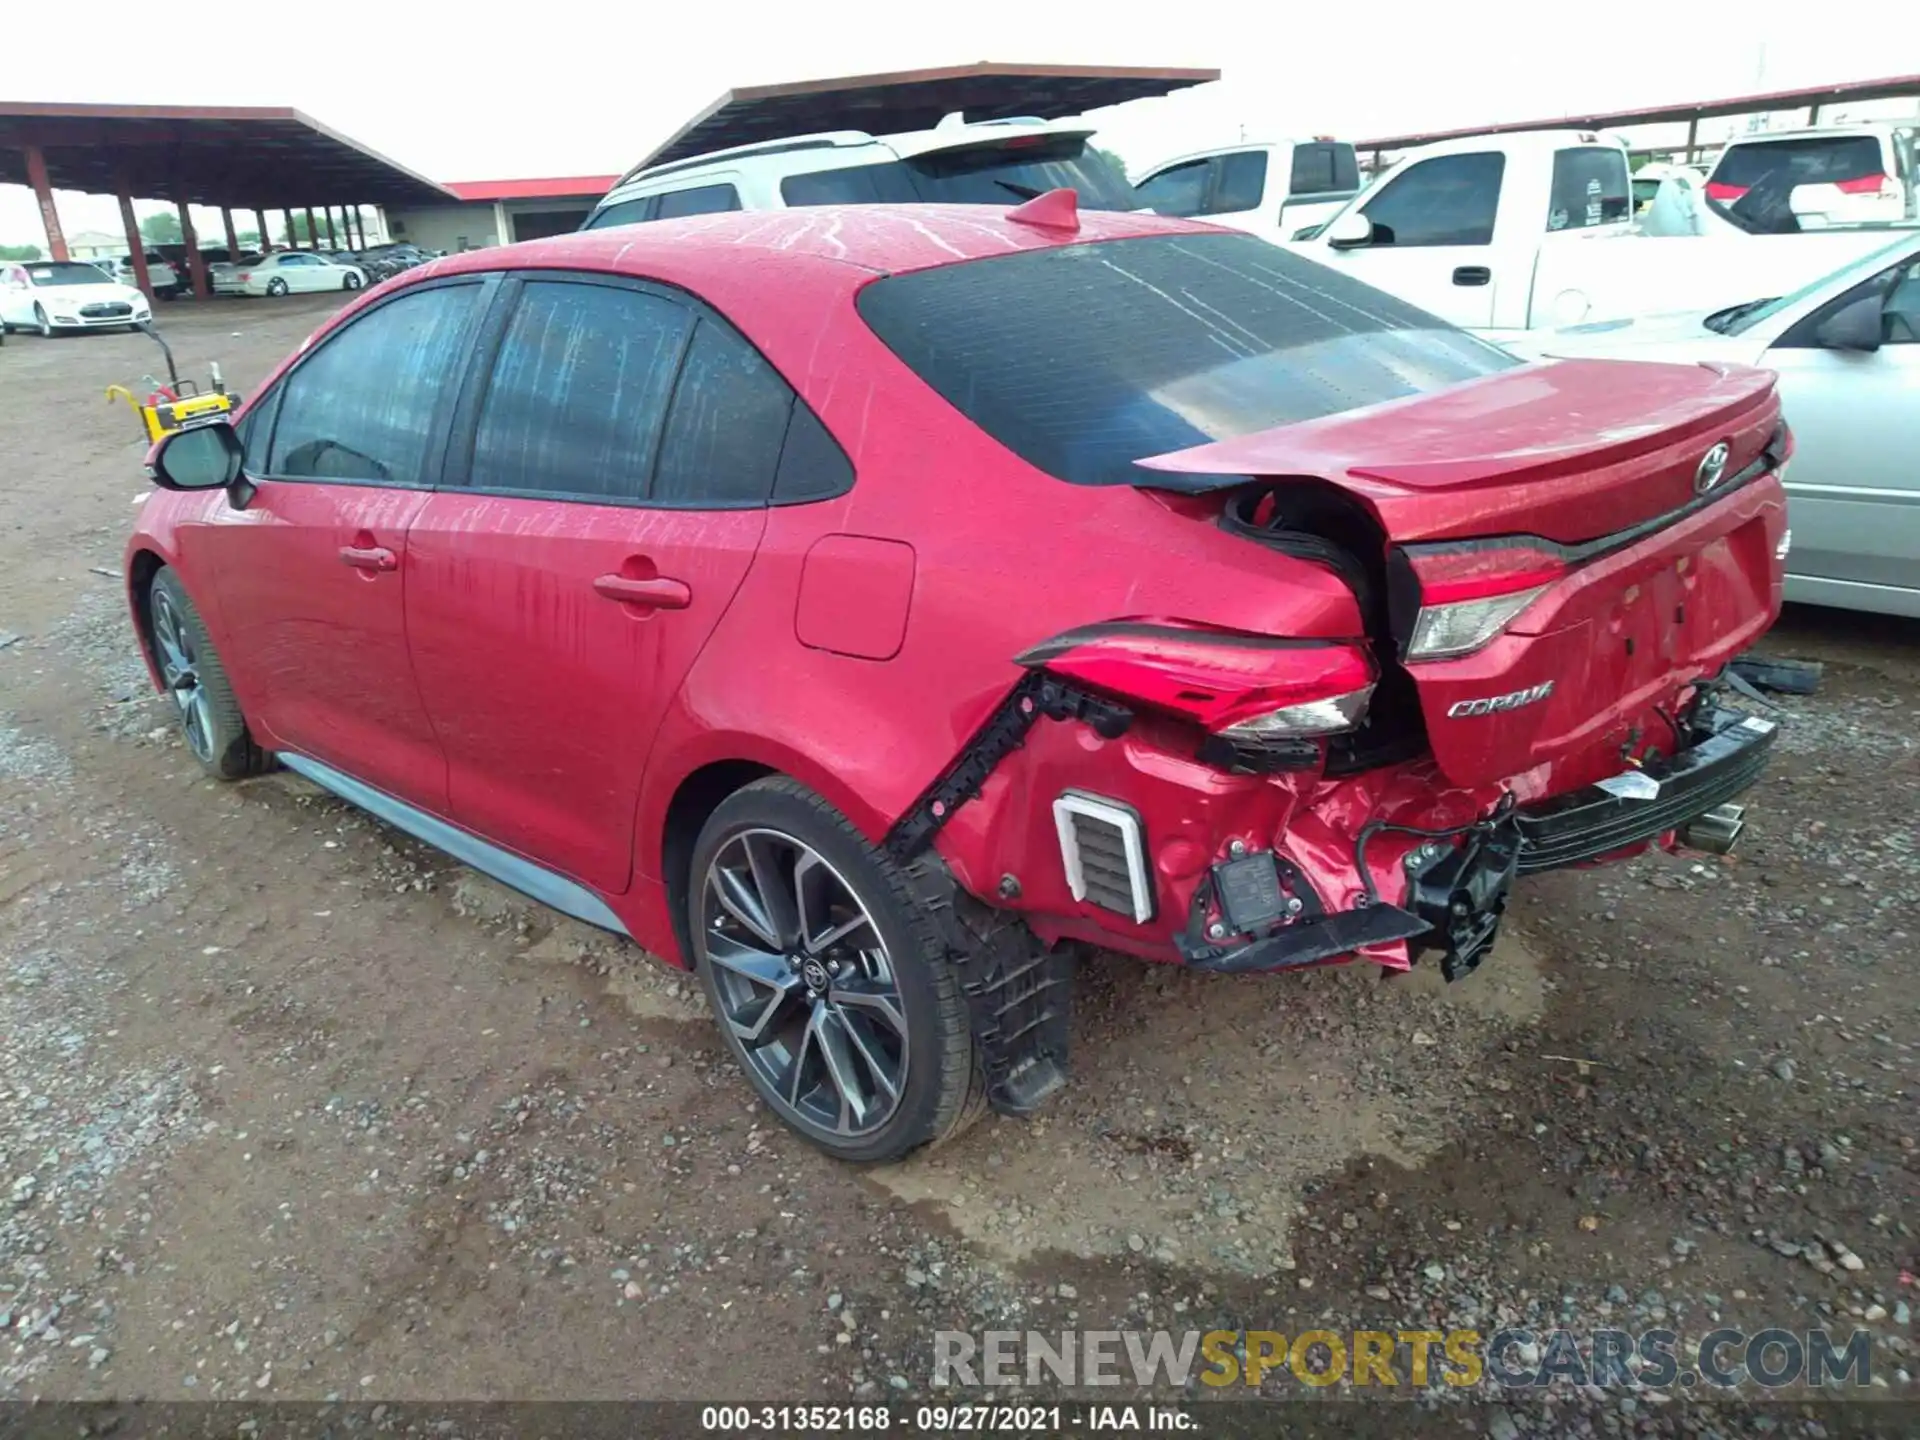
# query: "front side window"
x,y
1448,200
578,392
1591,186
363,407
1180,191
1082,359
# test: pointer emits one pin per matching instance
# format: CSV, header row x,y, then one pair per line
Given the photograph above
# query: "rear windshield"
x,y
1082,359
996,174
1590,187
1811,160
1323,166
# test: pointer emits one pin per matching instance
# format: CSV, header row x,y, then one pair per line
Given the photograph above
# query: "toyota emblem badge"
x,y
1713,468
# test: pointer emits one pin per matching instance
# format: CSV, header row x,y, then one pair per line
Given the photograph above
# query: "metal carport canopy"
x,y
907,100
263,158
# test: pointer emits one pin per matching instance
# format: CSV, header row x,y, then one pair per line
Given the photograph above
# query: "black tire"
x,y
351,282
940,1093
276,286
211,723
47,332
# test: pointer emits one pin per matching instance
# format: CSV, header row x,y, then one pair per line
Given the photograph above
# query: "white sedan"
x,y
286,272
56,295
1847,350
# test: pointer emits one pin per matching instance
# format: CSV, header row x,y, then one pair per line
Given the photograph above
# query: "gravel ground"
x,y
297,1109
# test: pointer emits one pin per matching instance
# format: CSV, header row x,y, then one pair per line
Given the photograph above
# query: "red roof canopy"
x,y
558,188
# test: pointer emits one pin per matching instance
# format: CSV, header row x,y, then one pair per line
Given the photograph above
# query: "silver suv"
x,y
991,162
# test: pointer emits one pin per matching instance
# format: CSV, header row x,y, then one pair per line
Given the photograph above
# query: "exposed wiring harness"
x,y
1375,827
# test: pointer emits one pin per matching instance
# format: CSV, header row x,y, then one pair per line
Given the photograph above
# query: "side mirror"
x,y
205,457
1854,326
1349,230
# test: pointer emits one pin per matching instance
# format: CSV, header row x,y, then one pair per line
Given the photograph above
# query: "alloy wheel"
x,y
805,982
181,672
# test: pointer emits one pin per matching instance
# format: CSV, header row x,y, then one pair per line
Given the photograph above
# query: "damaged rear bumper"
x,y
1458,884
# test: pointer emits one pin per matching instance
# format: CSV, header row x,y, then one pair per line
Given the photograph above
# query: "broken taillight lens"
x,y
1468,594
1229,682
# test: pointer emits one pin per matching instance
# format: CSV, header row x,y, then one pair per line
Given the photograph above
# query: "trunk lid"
x,y
1586,484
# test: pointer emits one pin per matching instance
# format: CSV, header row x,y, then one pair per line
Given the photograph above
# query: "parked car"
x,y
1275,190
286,272
1519,232
53,296
1244,646
992,162
164,279
1842,174
1847,350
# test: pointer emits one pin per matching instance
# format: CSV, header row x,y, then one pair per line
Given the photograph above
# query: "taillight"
x,y
1876,184
1726,194
1245,687
244,276
1468,594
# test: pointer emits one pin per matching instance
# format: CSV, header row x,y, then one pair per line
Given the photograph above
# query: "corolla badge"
x,y
1712,469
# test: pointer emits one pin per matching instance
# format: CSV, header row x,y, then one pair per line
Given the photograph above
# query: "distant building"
x,y
499,212
95,245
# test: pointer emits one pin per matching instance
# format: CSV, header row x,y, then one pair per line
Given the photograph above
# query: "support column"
x,y
196,266
136,242
1813,114
313,233
293,239
502,227
43,192
357,228
333,240
233,239
266,236
1693,137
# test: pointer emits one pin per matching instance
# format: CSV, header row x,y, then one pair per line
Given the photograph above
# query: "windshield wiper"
x,y
1723,320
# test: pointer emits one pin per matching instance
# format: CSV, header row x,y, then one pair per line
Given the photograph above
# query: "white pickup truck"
x,y
1515,232
1271,190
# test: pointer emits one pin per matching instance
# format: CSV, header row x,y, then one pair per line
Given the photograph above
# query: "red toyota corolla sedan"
x,y
867,608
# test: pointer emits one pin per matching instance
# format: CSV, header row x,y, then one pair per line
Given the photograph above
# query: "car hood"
x,y
62,296
1680,337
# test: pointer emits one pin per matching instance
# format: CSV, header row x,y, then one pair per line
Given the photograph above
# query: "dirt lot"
x,y
294,1108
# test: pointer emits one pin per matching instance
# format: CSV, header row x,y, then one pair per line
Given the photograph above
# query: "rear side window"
x,y
729,419
1323,166
1448,200
1082,359
1810,160
578,392
363,406
1000,173
1591,186
1241,182
621,212
1181,190
700,200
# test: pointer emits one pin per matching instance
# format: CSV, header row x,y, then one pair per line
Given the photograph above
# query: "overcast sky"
x,y
484,92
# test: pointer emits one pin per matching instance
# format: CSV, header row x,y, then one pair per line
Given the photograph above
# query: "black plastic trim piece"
x,y
1312,940
1038,696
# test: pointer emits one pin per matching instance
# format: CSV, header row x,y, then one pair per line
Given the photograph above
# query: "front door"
x,y
1854,483
556,602
1433,232
311,573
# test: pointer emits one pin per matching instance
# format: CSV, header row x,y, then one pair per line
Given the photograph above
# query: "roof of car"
x,y
883,239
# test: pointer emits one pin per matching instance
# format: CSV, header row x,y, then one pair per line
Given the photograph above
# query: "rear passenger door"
x,y
605,491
